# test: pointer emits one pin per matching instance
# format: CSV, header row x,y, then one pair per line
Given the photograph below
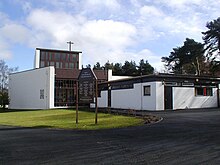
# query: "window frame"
x,y
147,90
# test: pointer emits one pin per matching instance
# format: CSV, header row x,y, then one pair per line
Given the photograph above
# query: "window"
x,y
57,65
51,63
42,64
46,56
71,65
66,65
203,91
74,57
147,91
67,57
209,92
57,57
42,55
42,94
50,56
63,56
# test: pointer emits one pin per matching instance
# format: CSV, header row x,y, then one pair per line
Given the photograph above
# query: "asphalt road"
x,y
183,137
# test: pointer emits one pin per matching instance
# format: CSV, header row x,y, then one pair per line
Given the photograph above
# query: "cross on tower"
x,y
70,43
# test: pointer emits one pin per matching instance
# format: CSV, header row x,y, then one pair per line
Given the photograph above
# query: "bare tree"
x,y
5,70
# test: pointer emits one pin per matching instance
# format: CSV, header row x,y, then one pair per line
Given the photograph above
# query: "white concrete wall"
x,y
127,98
134,98
103,100
37,59
184,97
80,61
111,77
159,96
24,89
149,102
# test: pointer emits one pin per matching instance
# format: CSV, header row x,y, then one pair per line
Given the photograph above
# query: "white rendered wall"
x,y
184,97
24,89
80,61
111,77
126,98
103,100
149,102
37,59
159,96
134,98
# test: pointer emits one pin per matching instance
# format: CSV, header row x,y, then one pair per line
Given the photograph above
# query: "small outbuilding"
x,y
160,92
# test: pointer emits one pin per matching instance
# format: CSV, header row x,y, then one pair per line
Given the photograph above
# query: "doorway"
x,y
168,97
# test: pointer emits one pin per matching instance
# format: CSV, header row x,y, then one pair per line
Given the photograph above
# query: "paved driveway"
x,y
183,137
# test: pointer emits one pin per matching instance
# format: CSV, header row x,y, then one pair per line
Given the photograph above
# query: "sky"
x,y
104,30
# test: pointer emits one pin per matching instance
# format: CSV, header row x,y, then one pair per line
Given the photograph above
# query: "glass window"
x,y
42,56
51,56
61,65
209,92
51,63
66,65
57,57
63,56
71,65
42,64
57,65
199,91
68,57
147,91
42,94
203,91
46,56
74,57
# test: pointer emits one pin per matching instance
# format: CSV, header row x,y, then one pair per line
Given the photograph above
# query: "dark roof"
x,y
56,50
74,74
101,74
169,78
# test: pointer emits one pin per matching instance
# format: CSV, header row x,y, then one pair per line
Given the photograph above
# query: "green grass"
x,y
66,119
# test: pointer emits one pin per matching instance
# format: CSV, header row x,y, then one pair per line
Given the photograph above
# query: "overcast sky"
x,y
114,30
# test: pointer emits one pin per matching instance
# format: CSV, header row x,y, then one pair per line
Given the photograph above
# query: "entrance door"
x,y
168,97
109,97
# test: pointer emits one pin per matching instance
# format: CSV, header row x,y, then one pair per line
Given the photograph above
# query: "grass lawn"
x,y
66,119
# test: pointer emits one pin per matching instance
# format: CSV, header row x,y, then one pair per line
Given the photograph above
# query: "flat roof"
x,y
167,78
59,50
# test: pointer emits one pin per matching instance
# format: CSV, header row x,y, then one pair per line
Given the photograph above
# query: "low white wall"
x,y
184,97
25,87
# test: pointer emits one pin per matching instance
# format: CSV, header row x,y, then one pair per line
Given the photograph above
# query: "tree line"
x,y
126,69
195,57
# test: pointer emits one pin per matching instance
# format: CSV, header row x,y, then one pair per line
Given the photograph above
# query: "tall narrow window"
x,y
42,94
57,65
147,90
42,64
42,56
71,65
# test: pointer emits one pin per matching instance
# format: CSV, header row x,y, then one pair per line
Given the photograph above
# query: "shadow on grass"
x,y
10,128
